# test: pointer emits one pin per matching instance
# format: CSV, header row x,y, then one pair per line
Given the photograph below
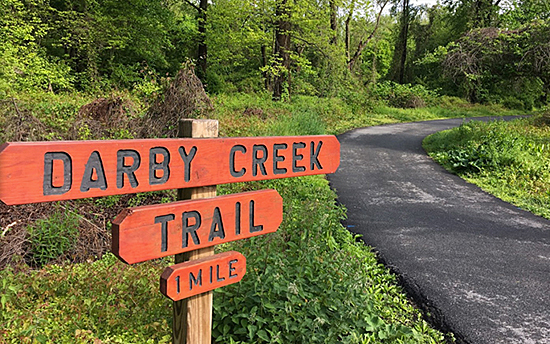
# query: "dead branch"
x,y
364,43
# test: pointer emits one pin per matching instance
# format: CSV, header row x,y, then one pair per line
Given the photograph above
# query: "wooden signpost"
x,y
32,172
184,280
192,316
156,231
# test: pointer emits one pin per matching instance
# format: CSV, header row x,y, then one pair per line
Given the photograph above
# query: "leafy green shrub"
x,y
508,159
522,94
474,147
453,102
53,238
311,281
513,103
404,96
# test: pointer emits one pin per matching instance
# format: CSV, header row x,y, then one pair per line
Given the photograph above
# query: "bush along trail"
x,y
510,160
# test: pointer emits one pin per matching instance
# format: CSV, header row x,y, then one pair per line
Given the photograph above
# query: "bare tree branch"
x,y
313,45
364,43
193,5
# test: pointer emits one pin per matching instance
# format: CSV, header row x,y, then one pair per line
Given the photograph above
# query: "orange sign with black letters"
x,y
33,172
194,277
156,231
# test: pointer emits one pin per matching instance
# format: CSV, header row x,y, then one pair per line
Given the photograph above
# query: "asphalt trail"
x,y
478,265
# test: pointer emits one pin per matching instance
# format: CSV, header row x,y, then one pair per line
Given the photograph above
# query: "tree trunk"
x,y
282,50
400,54
202,51
404,36
265,74
348,38
373,79
333,22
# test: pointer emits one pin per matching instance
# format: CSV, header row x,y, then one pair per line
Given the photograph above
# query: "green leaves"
x,y
509,159
311,282
106,301
54,237
502,66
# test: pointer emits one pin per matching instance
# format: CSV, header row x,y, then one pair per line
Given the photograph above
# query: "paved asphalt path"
x,y
478,265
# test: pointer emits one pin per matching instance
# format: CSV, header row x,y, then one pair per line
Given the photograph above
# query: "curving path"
x,y
479,266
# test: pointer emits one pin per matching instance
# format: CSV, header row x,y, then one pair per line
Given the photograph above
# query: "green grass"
x,y
308,115
311,282
510,160
101,302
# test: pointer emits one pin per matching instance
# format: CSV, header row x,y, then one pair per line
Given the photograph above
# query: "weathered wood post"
x,y
192,319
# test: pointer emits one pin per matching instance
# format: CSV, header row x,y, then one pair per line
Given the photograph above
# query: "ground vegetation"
x,y
81,70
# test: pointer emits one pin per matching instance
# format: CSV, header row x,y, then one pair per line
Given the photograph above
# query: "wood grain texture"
x,y
155,231
33,172
192,317
194,277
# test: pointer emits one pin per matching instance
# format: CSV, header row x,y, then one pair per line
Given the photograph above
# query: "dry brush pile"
x,y
78,230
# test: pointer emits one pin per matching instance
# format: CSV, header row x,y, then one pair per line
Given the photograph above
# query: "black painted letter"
x,y
187,158
155,166
48,188
231,268
196,281
297,157
314,157
216,222
123,169
242,171
163,220
277,158
88,182
186,229
238,218
218,278
259,161
253,228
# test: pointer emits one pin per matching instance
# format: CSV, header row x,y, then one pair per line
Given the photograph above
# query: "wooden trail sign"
x,y
194,277
155,231
33,172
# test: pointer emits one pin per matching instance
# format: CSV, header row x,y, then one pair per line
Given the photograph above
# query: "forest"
x,y
485,51
106,69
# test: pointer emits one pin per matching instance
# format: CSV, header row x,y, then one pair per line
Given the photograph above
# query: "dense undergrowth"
x,y
510,160
310,282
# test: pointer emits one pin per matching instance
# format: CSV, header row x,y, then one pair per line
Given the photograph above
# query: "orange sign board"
x,y
60,170
194,277
155,231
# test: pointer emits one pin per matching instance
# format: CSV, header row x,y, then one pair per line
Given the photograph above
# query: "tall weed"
x,y
53,238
